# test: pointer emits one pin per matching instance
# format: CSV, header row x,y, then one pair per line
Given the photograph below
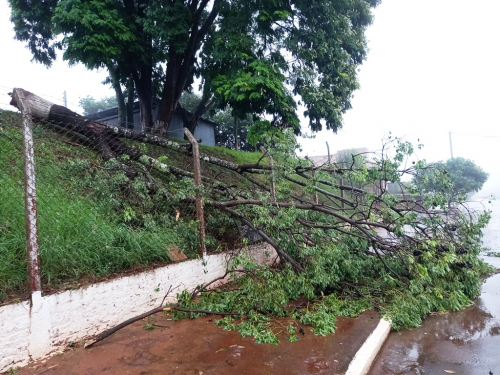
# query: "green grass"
x,y
237,157
81,234
92,223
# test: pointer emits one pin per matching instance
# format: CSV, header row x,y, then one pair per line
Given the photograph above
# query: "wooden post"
x,y
451,146
342,192
315,191
271,164
236,143
200,216
316,199
32,250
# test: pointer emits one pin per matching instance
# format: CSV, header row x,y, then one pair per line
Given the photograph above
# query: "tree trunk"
x,y
120,99
236,146
146,115
143,85
169,99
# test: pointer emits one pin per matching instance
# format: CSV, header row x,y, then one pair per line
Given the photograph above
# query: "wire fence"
x,y
86,210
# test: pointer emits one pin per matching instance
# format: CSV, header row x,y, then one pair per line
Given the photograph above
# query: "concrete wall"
x,y
31,332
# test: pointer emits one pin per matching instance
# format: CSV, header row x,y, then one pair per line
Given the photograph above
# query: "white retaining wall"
x,y
31,332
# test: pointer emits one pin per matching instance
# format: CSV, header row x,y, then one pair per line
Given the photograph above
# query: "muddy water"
x,y
198,347
467,341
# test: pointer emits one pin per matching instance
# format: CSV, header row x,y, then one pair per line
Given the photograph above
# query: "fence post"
x,y
34,284
271,164
200,216
316,199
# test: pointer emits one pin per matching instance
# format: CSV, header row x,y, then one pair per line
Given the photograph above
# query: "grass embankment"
x,y
92,221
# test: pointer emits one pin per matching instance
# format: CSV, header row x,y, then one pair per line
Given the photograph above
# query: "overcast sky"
x,y
433,67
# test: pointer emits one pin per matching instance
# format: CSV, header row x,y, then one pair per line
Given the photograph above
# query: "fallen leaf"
x,y
221,350
449,371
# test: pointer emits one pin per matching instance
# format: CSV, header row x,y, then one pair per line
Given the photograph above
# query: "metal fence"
x,y
87,213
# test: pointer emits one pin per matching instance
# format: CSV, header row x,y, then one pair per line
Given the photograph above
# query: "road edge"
x,y
362,361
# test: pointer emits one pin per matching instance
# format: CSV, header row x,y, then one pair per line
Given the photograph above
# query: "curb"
x,y
362,361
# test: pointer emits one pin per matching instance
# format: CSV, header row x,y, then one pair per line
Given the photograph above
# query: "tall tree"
x,y
256,57
455,178
91,105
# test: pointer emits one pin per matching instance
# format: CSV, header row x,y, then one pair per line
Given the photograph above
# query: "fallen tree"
x,y
344,242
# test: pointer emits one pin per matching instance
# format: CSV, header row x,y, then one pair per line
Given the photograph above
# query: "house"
x,y
204,131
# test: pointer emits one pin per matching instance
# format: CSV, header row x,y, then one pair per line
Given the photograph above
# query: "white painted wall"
x,y
53,321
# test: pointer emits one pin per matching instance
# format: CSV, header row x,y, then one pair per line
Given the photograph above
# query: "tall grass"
x,y
93,221
79,235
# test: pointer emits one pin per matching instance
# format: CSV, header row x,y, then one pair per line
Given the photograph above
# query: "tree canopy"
x,y
257,57
455,177
90,105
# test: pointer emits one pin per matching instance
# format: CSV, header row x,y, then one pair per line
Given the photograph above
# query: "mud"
x,y
199,347
466,342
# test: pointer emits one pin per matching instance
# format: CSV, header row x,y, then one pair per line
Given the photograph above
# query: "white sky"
x,y
16,70
433,67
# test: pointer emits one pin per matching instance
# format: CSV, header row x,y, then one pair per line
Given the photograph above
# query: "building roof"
x,y
113,112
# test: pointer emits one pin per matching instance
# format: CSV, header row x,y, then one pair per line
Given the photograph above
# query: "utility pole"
x,y
236,143
451,146
65,98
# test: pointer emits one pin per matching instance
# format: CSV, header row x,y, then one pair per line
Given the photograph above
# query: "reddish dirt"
x,y
198,347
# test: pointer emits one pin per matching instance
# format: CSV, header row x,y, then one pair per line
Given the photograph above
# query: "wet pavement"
x,y
466,342
199,347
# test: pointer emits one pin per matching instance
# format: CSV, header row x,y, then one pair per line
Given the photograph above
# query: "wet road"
x,y
466,342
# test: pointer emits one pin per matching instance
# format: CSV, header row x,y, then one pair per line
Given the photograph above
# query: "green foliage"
x,y
453,179
347,272
252,56
91,105
257,87
93,220
439,283
189,101
232,155
230,130
332,261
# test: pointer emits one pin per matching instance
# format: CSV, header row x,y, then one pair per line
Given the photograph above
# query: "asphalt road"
x,y
465,342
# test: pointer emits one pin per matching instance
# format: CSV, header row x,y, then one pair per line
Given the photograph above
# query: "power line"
x,y
41,94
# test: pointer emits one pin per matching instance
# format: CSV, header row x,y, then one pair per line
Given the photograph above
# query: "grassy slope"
x,y
82,233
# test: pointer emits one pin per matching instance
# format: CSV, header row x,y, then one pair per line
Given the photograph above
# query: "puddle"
x,y
466,341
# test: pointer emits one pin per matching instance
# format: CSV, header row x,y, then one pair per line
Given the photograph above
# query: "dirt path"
x,y
199,347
